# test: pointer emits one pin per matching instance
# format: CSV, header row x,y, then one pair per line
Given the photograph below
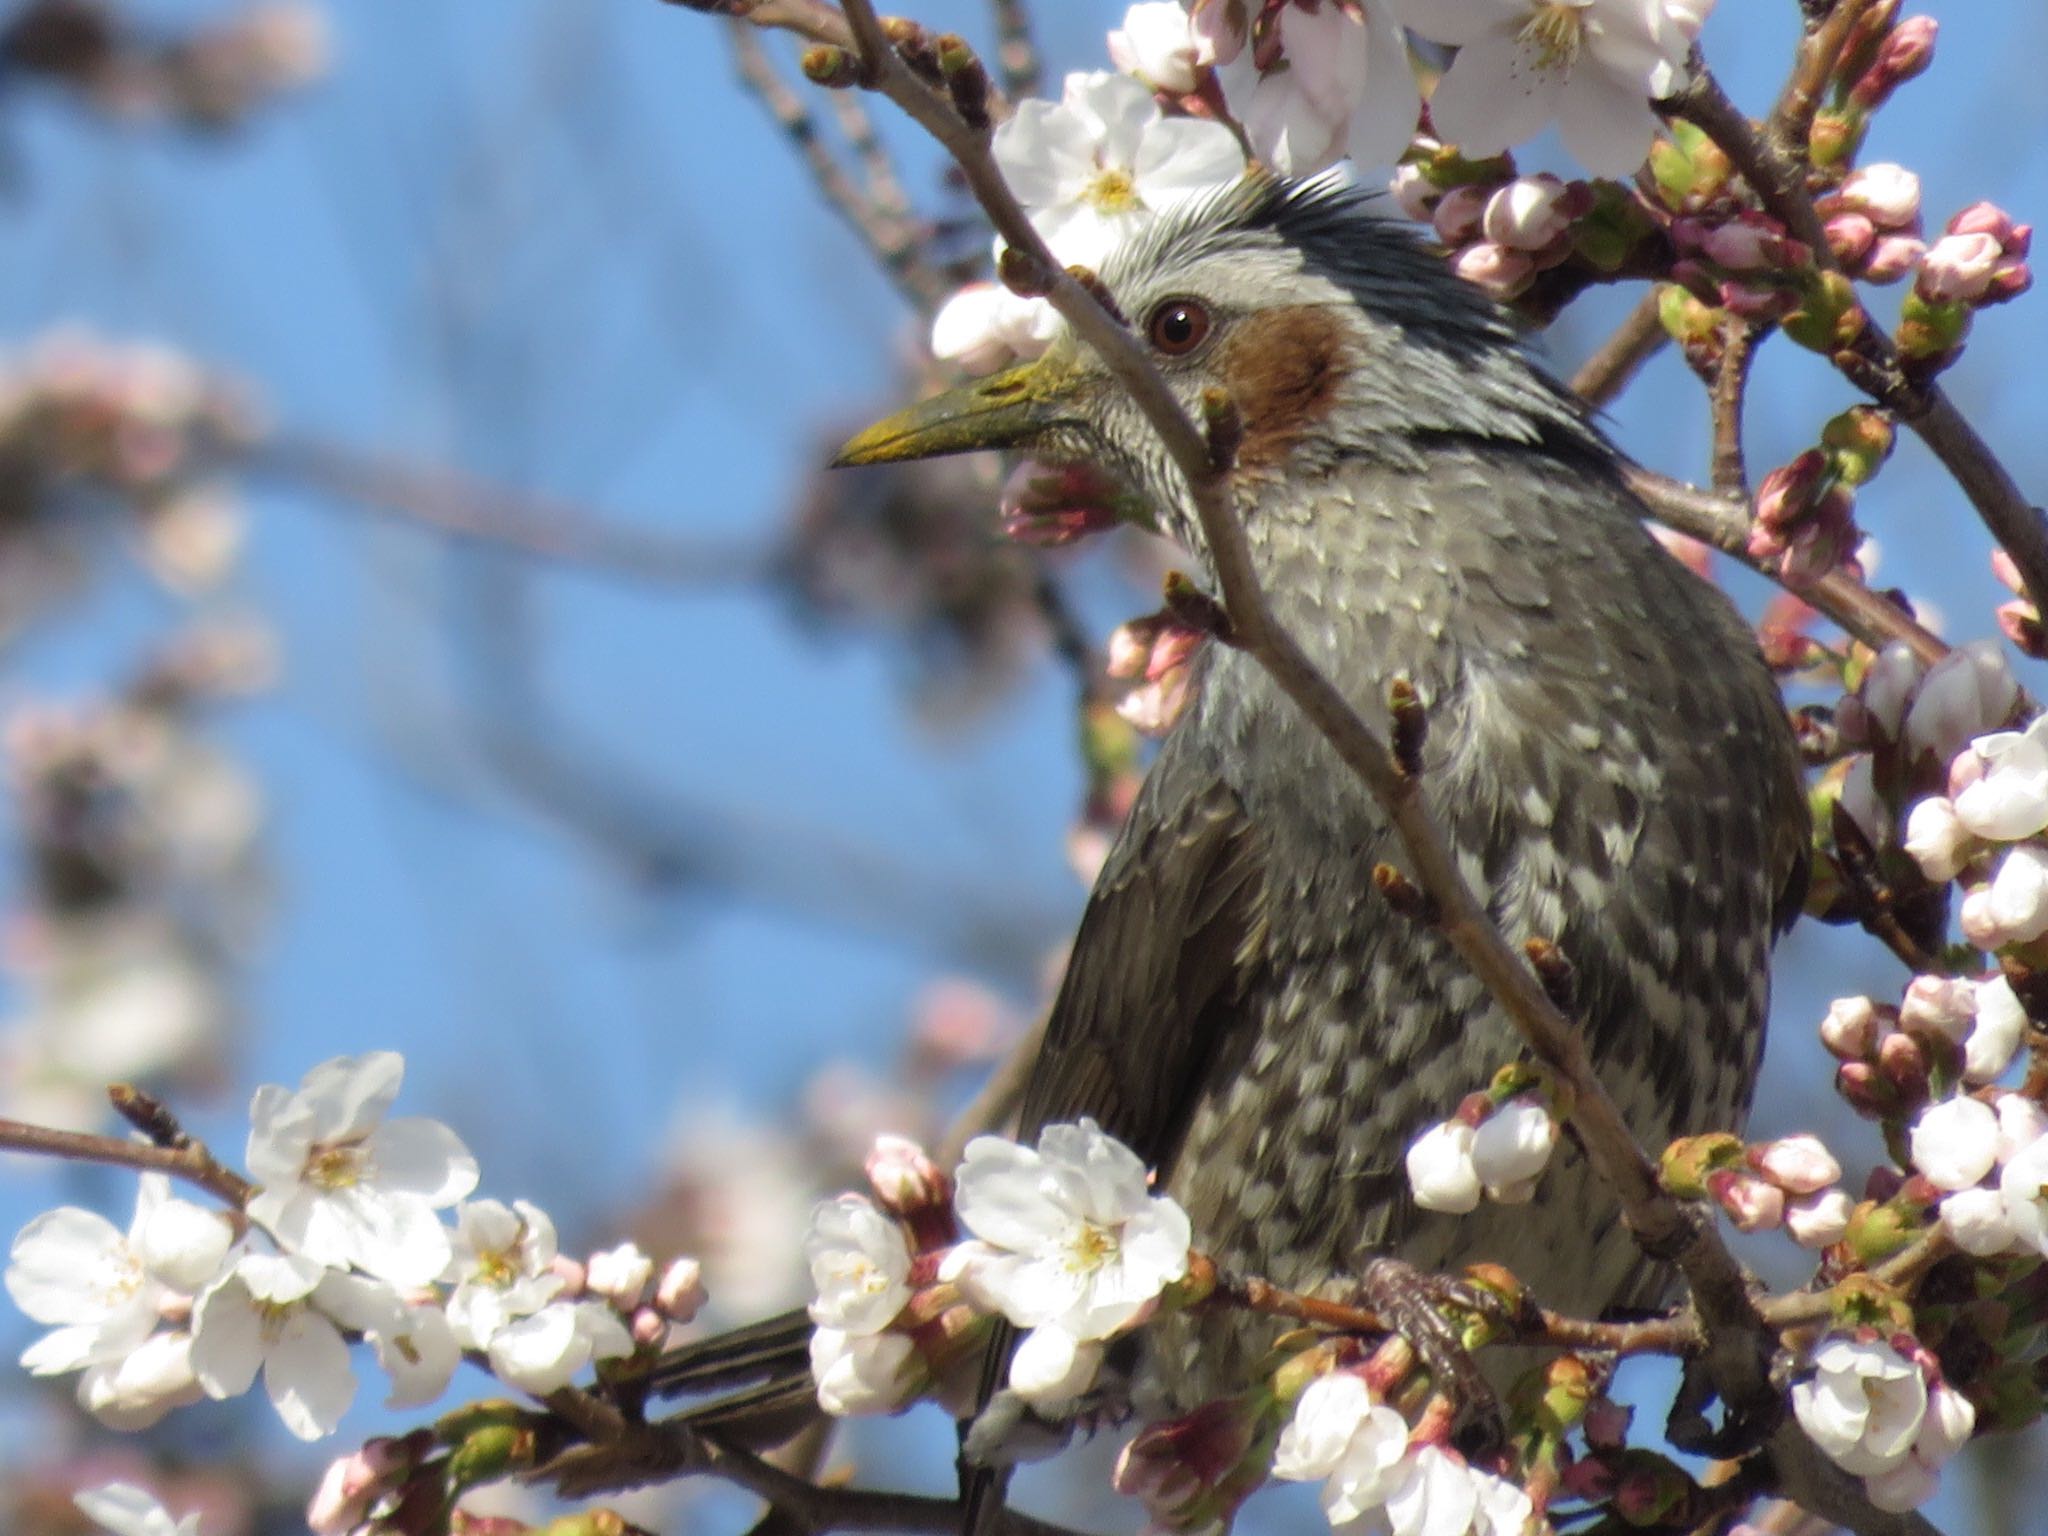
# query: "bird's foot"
x,y
1413,1303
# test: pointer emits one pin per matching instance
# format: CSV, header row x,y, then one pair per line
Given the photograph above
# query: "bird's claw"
x,y
1412,1302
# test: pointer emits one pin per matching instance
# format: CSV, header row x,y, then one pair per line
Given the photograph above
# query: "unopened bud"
x,y
679,1293
1902,56
1860,440
620,1275
1751,1203
1829,316
1799,1165
1819,1221
1902,1064
836,69
648,1327
1688,1163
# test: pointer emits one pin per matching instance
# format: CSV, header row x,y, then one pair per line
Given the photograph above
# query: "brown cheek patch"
x,y
1282,367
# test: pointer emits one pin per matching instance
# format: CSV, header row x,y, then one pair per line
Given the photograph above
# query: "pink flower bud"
x,y
1459,214
1154,707
1751,242
620,1275
680,1290
347,1489
1892,257
1819,1221
648,1327
1902,1066
1051,506
1862,1089
1752,1204
1527,214
1889,194
1787,492
1415,192
1851,1028
1850,237
1799,1165
1984,218
1905,53
1946,1005
1500,271
906,1182
1130,648
573,1275
1958,268
1157,44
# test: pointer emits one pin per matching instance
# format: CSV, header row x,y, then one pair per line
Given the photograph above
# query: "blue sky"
x,y
550,243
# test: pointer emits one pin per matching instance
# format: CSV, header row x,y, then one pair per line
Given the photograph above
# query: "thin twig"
x,y
1819,52
1722,522
1730,474
997,1099
1016,55
1872,364
1604,375
462,507
190,1161
883,226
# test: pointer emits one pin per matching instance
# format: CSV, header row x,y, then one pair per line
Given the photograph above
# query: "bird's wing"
x,y
1172,929
1171,932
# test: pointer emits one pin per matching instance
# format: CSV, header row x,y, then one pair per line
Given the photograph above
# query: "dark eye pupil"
x,y
1179,326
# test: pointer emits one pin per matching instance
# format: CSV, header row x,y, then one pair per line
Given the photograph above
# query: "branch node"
x,y
1411,725
966,80
149,1115
1222,428
1192,608
1554,970
1023,273
1404,895
836,69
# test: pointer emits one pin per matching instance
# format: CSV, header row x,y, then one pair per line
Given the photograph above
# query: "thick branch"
x,y
1604,375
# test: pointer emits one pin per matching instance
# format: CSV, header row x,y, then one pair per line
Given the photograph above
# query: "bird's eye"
x,y
1177,326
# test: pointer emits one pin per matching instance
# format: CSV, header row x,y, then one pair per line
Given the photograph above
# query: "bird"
x,y
1607,755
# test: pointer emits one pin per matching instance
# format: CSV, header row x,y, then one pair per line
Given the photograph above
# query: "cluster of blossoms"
x,y
143,839
141,422
1497,1144
1987,831
1065,1240
1880,1410
212,77
341,1237
1791,1183
1805,511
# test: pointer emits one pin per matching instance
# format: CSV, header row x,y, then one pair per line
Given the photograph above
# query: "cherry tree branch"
x,y
1614,364
1779,180
181,1158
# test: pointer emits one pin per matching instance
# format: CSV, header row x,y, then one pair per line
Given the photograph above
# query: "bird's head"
x,y
1335,332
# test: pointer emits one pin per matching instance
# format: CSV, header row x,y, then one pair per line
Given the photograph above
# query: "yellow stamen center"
x,y
336,1165
1552,37
1113,190
1091,1248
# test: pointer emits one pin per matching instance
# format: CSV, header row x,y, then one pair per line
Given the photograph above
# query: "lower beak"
x,y
1011,409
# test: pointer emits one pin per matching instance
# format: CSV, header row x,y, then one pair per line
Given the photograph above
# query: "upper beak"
x,y
1006,410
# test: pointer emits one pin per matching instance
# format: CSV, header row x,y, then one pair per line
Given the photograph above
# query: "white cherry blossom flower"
x,y
860,1266
500,1268
546,1350
1955,1143
1158,45
1438,1494
136,1391
1441,1171
985,326
261,1316
343,1185
621,1275
1052,1368
1339,85
2013,908
1067,1233
1967,692
1097,166
1527,214
77,1272
1944,1430
1976,1221
1995,1035
1593,66
864,1373
2011,799
1342,1434
2021,1123
414,1341
2023,1185
126,1510
1864,1405
1511,1148
1937,838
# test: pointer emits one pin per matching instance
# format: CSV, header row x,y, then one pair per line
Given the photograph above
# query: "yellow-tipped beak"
x,y
1005,410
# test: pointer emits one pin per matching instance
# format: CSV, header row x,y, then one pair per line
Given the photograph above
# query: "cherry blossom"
x,y
1158,45
1944,1430
1592,66
2013,908
1066,1233
1955,1143
1441,1171
984,326
1052,1368
1864,1405
865,1373
1511,1148
500,1267
860,1266
546,1350
344,1186
126,1510
1096,167
1937,839
1819,1221
262,1316
621,1275
2023,1185
1976,1221
1336,82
